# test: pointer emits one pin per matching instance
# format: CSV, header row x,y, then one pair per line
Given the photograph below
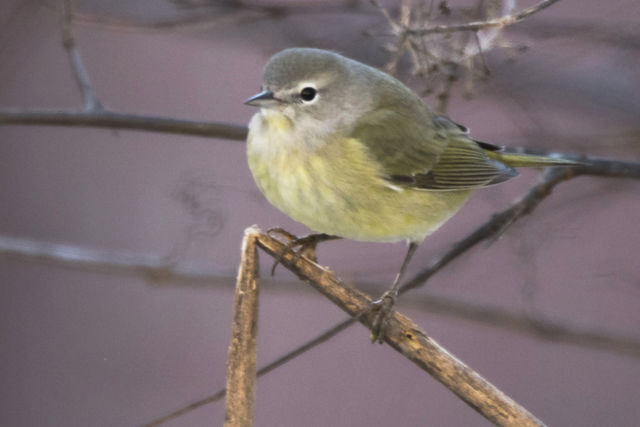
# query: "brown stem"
x,y
407,338
241,361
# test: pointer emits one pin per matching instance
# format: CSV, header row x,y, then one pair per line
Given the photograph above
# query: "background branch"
x,y
91,102
32,154
532,324
319,339
444,54
227,13
479,25
113,120
156,269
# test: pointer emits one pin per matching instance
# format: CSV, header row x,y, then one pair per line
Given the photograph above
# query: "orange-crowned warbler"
x,y
351,152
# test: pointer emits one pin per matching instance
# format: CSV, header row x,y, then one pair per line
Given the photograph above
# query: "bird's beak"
x,y
262,99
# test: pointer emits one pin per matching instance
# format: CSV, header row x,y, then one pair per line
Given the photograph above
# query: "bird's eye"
x,y
308,93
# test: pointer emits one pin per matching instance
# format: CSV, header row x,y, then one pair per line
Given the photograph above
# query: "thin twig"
x,y
444,95
537,326
113,120
479,25
542,328
241,361
326,335
150,267
500,220
127,121
439,56
497,224
91,101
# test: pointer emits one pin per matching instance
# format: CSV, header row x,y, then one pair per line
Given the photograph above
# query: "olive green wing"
x,y
463,165
401,144
431,154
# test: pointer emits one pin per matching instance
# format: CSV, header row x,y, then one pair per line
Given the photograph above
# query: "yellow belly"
x,y
334,187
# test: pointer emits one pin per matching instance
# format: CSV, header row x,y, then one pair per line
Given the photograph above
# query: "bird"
x,y
352,152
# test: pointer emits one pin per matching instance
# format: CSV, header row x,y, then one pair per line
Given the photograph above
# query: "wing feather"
x,y
428,152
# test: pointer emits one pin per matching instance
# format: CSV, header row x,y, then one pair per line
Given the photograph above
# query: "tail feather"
x,y
517,160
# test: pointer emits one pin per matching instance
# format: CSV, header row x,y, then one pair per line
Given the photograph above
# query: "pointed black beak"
x,y
262,99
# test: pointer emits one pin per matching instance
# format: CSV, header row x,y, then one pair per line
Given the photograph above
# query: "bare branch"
x,y
442,54
496,225
492,227
501,220
535,325
498,317
329,333
405,337
152,267
217,14
156,268
408,339
241,361
93,113
91,102
479,25
544,329
113,120
213,19
607,169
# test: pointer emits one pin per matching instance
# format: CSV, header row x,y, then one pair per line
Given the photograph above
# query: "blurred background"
x,y
84,344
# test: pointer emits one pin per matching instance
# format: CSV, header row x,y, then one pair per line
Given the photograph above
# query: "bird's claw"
x,y
307,244
279,231
383,307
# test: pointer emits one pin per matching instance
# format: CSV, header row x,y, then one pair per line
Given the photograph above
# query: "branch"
x,y
607,169
597,167
534,325
443,54
401,334
156,268
112,120
91,102
241,361
93,113
503,21
495,225
501,220
408,339
150,267
225,14
331,332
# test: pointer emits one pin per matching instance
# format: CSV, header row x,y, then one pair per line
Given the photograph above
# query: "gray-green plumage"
x,y
352,152
359,155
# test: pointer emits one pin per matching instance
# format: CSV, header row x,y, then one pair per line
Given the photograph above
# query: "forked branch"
x,y
409,339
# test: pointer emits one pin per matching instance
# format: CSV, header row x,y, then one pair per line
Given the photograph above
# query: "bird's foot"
x,y
383,308
306,244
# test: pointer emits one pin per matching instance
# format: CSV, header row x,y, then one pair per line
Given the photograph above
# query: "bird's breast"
x,y
334,186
